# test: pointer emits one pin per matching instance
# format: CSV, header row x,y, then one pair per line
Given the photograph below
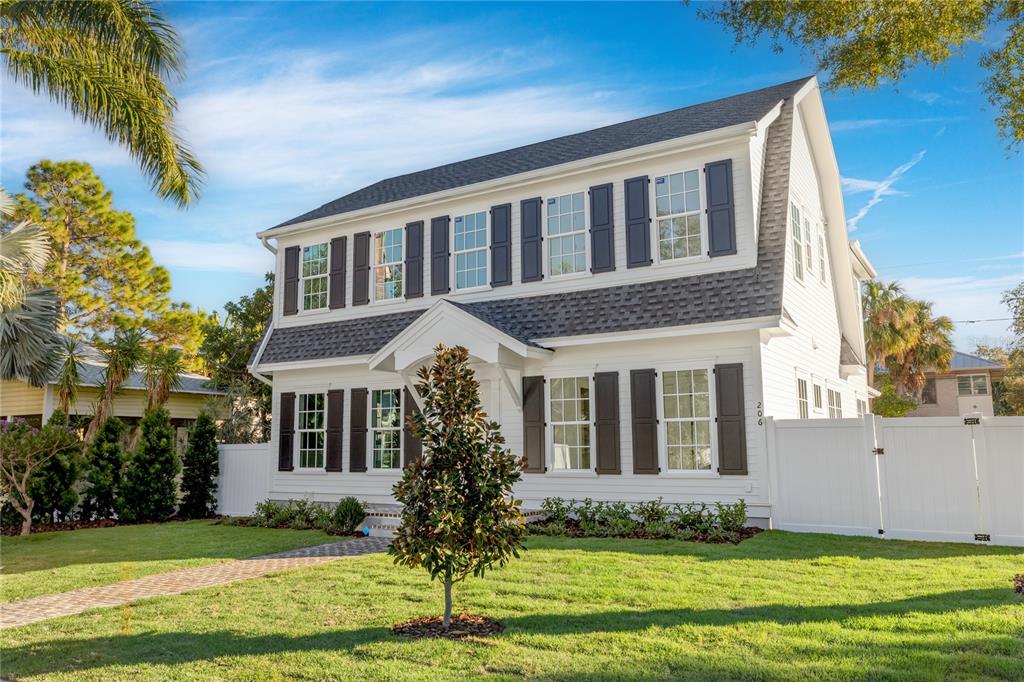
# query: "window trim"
x,y
549,428
326,276
794,242
803,405
701,214
297,446
822,276
818,395
486,248
837,404
971,378
862,405
370,468
374,266
585,231
709,367
809,254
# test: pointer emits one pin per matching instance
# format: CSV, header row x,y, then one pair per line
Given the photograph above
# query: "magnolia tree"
x,y
24,450
459,517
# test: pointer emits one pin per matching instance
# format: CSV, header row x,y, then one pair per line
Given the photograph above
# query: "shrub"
x,y
557,510
24,450
53,485
150,490
694,517
339,519
732,518
103,467
201,465
347,515
651,512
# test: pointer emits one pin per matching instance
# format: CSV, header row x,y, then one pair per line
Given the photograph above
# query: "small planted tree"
x,y
459,517
52,488
23,451
201,466
104,464
150,490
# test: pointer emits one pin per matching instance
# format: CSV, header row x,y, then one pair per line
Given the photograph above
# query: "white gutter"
x,y
267,246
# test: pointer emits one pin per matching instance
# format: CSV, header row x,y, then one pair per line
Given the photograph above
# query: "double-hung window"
x,y
312,436
314,277
929,396
795,228
570,423
817,398
972,384
566,235
862,407
821,253
386,428
471,250
808,234
835,404
677,205
801,398
387,264
686,401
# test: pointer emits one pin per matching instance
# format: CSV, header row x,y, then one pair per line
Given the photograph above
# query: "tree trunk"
x,y
26,516
447,602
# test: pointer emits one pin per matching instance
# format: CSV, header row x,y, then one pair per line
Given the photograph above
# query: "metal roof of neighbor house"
x,y
967,361
91,374
699,118
713,297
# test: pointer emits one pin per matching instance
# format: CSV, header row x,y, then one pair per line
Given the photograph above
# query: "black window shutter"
x,y
532,240
286,432
357,425
414,260
721,208
339,248
638,223
602,229
335,411
644,400
533,424
606,391
412,449
291,280
361,268
439,256
730,415
501,245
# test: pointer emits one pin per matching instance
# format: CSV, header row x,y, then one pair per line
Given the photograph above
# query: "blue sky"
x,y
290,105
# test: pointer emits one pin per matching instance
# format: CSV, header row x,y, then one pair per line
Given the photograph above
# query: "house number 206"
x,y
760,415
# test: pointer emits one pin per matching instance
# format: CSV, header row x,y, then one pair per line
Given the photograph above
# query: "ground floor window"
x,y
570,422
801,398
928,393
818,405
862,407
972,384
835,404
311,430
386,428
686,403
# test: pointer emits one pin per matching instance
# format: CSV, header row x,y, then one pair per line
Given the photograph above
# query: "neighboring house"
x,y
636,299
966,388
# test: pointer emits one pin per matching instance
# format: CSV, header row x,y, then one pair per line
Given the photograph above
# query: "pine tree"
x,y
150,490
201,468
459,517
105,461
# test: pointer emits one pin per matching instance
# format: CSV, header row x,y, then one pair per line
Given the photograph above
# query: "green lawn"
x,y
778,606
55,562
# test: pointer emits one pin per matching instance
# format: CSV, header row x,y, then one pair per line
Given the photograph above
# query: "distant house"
x,y
965,388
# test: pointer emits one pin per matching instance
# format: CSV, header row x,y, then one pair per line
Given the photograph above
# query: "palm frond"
x,y
28,340
69,377
23,248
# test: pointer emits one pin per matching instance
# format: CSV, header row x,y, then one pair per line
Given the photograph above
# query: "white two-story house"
x,y
636,299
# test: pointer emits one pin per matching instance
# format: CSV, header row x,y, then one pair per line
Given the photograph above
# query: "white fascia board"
x,y
773,322
315,364
738,131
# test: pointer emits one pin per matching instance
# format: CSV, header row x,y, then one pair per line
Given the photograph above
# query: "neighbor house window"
x,y
677,204
570,422
835,404
929,396
471,250
798,245
386,428
821,253
687,413
817,397
972,384
387,264
314,277
311,430
566,235
801,398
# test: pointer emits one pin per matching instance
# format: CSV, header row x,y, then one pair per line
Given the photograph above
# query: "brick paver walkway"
x,y
48,606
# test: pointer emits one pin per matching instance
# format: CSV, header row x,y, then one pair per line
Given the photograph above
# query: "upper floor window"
x,y
928,393
972,384
821,254
808,234
796,232
687,410
471,250
801,398
311,432
570,422
386,428
677,204
566,235
387,264
835,404
314,277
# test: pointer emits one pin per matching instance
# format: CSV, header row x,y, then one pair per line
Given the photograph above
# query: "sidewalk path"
x,y
17,613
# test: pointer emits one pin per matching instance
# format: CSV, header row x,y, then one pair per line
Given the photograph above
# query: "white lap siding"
x,y
620,357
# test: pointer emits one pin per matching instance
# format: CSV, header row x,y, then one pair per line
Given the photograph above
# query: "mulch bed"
x,y
462,625
573,530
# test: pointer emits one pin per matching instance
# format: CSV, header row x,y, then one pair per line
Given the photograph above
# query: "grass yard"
x,y
67,560
777,606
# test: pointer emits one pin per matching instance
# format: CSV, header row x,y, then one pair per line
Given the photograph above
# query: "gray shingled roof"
x,y
967,361
699,118
713,297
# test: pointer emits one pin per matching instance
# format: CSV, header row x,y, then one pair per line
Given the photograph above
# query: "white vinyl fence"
x,y
244,478
919,478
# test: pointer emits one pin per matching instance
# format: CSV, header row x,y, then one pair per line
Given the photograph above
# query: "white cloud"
x,y
882,189
212,256
857,186
928,98
854,124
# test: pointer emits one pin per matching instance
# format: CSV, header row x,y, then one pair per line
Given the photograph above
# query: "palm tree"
x,y
108,62
886,312
68,378
122,355
928,347
162,370
28,317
